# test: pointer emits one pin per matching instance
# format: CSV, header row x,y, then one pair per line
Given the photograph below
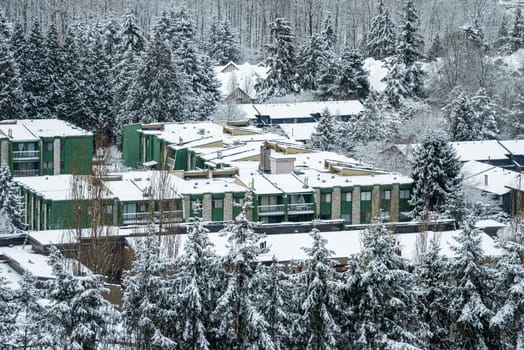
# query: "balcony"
x,y
145,217
301,208
277,209
20,173
24,155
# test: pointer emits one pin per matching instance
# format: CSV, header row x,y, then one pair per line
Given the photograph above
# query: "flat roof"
x,y
306,109
317,179
489,178
34,129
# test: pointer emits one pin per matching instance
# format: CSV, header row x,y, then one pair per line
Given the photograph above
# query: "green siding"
x,y
76,153
131,145
365,206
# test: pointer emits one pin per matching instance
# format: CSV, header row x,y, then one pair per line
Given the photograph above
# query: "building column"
x,y
207,207
4,152
375,203
56,156
115,214
33,210
317,201
228,206
44,212
26,203
355,209
186,208
38,213
394,212
335,203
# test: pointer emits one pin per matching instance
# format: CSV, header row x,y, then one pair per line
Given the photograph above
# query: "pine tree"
x,y
148,305
78,317
380,304
281,62
470,303
11,98
352,82
321,297
327,79
240,322
486,116
381,39
8,310
502,42
435,170
124,74
460,117
312,58
111,41
396,85
53,72
157,94
323,139
369,125
131,35
5,27
436,50
222,45
328,34
517,31
10,202
410,41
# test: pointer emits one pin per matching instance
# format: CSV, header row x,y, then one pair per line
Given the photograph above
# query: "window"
x,y
47,165
365,196
238,202
384,215
48,146
365,217
405,194
62,165
218,203
347,196
268,200
263,245
347,218
108,209
325,197
385,195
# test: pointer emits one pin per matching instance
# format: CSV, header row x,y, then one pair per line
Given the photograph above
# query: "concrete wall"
x,y
317,201
394,212
4,151
335,203
228,206
186,208
375,203
56,157
355,215
282,165
207,207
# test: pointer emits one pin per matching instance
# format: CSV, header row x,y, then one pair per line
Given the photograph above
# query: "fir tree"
x,y
436,50
131,35
460,117
222,46
5,27
502,42
381,39
410,41
396,85
240,321
8,310
470,302
323,139
327,79
281,62
111,41
369,125
10,202
328,35
352,82
124,74
53,72
517,31
321,297
157,94
435,170
78,317
486,115
380,304
11,98
312,58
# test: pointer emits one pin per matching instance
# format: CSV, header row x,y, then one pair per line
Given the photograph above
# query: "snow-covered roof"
x,y
182,133
306,109
288,183
201,186
317,179
479,150
53,187
489,178
300,132
34,129
516,147
244,76
377,73
11,277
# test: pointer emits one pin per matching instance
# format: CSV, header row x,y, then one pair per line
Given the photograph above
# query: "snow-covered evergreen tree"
x,y
10,202
131,35
381,39
327,79
8,310
320,302
5,27
435,170
240,321
379,298
222,45
11,98
396,86
516,36
460,117
157,94
325,135
352,82
486,116
53,71
436,50
470,299
111,40
149,310
370,124
312,58
410,41
78,316
281,62
503,43
328,35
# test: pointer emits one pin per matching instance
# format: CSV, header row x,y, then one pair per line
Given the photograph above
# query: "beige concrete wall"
x,y
38,207
56,156
394,212
228,206
375,203
4,151
206,207
44,213
335,203
355,213
186,208
317,201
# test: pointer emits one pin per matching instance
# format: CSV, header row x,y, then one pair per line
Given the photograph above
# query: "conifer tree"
x,y
17,42
111,41
321,297
131,35
352,82
8,310
327,79
486,116
10,202
436,50
157,94
53,72
517,31
11,98
124,74
240,321
379,299
396,85
502,42
328,34
281,62
381,40
410,41
78,317
324,137
5,27
69,108
460,117
222,46
435,170
370,124
470,300
312,58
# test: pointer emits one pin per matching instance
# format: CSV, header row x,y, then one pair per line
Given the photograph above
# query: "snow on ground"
x,y
11,276
377,73
513,62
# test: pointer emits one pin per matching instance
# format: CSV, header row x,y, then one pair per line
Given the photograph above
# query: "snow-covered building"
x,y
35,147
237,81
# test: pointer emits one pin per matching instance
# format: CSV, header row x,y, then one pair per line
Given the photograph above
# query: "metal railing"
x,y
300,207
271,209
143,217
25,154
32,172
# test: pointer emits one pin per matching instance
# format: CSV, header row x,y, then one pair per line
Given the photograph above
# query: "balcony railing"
x,y
139,218
25,154
300,208
276,209
32,172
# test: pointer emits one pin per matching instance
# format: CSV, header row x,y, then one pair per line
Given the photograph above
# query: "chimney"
x,y
265,162
10,133
485,180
